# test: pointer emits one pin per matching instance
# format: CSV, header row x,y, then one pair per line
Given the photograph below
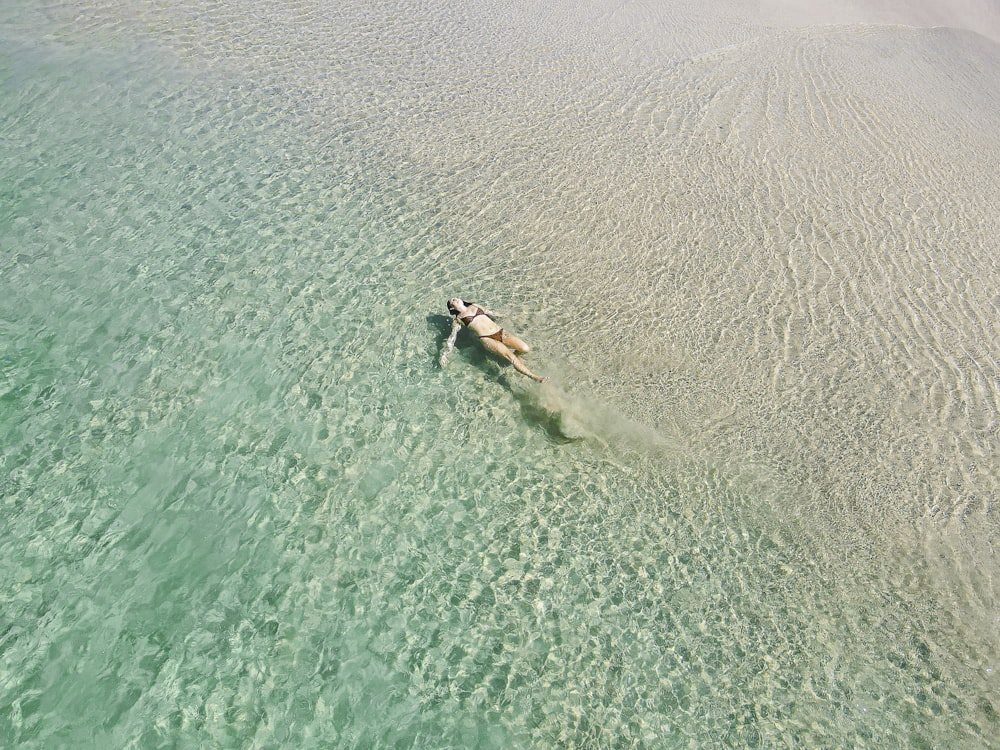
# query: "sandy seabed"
x,y
760,240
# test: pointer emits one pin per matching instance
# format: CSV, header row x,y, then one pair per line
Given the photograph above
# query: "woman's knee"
x,y
515,343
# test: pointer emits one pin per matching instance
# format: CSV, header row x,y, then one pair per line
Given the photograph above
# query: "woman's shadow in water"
x,y
535,410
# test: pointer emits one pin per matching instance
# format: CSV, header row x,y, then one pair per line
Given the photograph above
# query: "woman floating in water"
x,y
491,335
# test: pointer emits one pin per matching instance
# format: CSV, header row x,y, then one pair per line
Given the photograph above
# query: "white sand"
x,y
774,238
981,16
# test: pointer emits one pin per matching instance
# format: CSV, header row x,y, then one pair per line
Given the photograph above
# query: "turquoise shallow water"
x,y
242,505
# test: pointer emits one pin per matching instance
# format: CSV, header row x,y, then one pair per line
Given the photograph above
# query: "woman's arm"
x,y
450,344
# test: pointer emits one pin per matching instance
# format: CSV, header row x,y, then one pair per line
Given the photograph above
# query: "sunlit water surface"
x,y
244,507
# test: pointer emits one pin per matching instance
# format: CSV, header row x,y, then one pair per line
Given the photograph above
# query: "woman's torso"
x,y
476,318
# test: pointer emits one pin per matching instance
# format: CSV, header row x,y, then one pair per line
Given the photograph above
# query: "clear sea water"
x,y
243,506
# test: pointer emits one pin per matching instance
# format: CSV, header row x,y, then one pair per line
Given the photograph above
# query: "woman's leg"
x,y
515,343
500,350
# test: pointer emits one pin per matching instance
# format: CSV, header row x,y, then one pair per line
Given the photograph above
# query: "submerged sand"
x,y
770,235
